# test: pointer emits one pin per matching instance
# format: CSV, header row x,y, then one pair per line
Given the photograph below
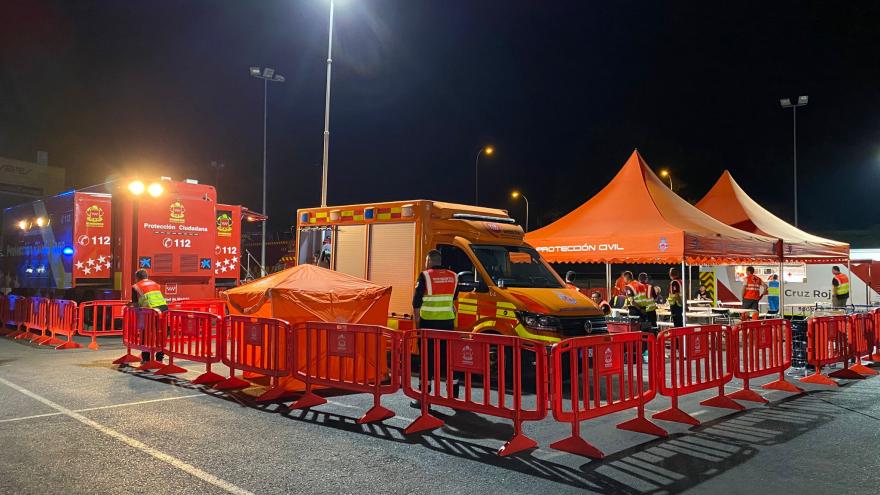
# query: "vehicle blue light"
x,y
67,251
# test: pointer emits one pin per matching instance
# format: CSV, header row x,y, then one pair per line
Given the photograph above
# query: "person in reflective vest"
x,y
434,308
753,289
773,294
649,299
600,303
839,288
676,308
148,294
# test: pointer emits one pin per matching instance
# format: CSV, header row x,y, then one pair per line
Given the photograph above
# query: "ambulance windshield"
x,y
515,266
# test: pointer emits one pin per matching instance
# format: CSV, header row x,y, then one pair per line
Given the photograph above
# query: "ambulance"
x,y
505,287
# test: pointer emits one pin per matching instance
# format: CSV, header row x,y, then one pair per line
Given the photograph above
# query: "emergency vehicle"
x,y
505,287
87,244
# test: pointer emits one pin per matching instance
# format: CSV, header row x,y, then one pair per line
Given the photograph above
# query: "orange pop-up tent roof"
x,y
729,203
311,293
637,219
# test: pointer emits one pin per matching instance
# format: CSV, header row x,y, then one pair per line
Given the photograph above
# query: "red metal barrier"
x,y
34,319
761,348
828,343
876,335
486,356
258,345
193,336
610,379
142,329
700,359
62,321
5,314
20,314
347,357
213,306
861,337
99,319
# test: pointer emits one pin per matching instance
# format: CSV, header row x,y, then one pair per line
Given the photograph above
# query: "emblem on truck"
x,y
94,216
565,298
177,212
224,224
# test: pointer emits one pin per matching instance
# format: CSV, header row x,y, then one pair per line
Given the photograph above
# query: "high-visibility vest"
x,y
674,298
753,287
437,302
149,294
773,288
842,285
642,296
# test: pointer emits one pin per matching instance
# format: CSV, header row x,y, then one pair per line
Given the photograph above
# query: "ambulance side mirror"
x,y
569,277
467,282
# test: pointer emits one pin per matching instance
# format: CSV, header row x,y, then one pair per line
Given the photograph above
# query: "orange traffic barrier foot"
x,y
642,425
152,364
676,415
846,374
309,399
170,369
68,345
424,422
818,379
749,395
862,369
723,401
578,446
231,383
376,414
784,386
518,443
208,378
126,359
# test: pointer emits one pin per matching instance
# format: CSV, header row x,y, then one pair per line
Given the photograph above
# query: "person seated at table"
x,y
703,294
597,299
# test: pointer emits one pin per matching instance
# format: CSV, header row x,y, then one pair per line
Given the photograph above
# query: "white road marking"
x,y
131,442
112,406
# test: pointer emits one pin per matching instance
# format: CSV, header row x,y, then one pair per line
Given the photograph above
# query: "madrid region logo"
x,y
663,245
224,224
94,216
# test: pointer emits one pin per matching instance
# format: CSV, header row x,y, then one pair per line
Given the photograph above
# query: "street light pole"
x,y
517,194
267,75
786,103
326,161
665,173
488,150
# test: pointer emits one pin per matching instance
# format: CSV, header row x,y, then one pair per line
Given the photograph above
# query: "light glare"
x,y
136,188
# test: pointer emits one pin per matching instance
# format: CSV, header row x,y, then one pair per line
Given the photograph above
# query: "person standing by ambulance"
x,y
839,288
434,308
148,294
753,290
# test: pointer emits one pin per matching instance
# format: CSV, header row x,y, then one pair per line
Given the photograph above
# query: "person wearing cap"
x,y
146,293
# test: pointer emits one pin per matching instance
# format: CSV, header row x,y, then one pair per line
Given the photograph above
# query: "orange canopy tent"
x,y
729,203
637,219
311,293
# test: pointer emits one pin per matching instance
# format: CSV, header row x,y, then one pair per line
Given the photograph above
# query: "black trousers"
x,y
438,325
677,315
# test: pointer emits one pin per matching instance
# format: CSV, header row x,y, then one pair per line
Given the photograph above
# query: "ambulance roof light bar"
x,y
482,218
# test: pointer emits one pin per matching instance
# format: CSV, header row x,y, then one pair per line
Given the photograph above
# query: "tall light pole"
x,y
786,103
487,150
326,161
665,173
517,194
267,75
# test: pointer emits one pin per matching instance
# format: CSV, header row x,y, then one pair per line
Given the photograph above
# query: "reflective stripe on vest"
x,y
773,289
842,285
753,287
641,298
149,294
437,302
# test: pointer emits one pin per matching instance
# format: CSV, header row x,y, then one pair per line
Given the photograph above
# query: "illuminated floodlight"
x,y
136,187
255,71
40,221
155,190
22,224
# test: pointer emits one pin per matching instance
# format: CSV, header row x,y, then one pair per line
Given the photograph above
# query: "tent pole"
x,y
686,293
781,289
608,281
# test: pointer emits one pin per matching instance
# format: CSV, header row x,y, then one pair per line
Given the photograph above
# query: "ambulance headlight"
x,y
538,321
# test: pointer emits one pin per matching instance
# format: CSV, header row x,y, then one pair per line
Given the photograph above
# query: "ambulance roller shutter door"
x,y
392,254
351,250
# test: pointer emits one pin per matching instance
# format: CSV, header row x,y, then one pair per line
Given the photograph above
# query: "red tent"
x,y
727,202
637,219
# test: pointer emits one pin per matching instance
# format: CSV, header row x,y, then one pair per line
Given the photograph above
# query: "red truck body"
x,y
88,244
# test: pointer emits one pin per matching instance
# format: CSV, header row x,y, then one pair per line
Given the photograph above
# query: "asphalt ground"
x,y
71,422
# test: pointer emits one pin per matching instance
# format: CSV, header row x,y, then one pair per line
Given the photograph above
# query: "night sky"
x,y
563,90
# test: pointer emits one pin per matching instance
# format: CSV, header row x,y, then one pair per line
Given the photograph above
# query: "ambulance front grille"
x,y
573,326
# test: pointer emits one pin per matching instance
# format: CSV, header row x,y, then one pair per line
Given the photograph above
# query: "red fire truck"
x,y
87,244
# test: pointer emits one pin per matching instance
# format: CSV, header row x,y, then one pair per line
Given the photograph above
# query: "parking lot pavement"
x,y
71,421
